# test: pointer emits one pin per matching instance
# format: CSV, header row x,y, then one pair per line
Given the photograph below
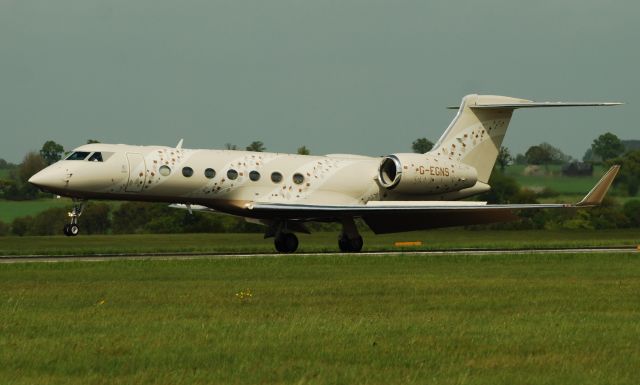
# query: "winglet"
x,y
597,193
179,145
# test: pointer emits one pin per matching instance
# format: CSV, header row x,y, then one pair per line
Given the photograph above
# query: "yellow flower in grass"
x,y
244,295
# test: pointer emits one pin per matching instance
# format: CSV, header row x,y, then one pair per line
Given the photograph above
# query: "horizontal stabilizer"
x,y
513,106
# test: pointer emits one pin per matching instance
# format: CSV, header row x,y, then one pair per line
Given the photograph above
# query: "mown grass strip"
x,y
499,319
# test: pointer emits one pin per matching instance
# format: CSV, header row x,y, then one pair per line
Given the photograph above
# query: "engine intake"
x,y
424,174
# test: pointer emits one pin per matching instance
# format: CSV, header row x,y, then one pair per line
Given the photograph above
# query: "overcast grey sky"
x,y
339,76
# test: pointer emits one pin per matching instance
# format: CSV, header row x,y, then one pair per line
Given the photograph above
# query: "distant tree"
x,y
96,218
20,225
31,164
421,145
520,159
303,150
629,174
590,157
609,215
537,155
631,210
607,146
7,186
90,141
504,158
504,189
140,217
51,152
229,146
556,155
4,165
256,146
48,222
545,154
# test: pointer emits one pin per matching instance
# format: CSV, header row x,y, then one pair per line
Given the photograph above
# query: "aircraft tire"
x,y
66,230
74,230
350,245
286,243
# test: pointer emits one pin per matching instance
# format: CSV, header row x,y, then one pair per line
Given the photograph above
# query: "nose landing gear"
x,y
72,229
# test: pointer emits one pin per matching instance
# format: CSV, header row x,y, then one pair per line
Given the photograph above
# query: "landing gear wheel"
x,y
74,230
347,245
286,243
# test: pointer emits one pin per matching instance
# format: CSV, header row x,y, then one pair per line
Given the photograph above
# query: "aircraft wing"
x,y
394,216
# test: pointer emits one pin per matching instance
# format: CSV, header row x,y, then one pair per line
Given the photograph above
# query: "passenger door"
x,y
137,172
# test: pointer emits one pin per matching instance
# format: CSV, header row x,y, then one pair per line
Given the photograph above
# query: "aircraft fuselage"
x,y
224,180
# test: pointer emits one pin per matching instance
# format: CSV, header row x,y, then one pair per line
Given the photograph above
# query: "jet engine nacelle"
x,y
424,174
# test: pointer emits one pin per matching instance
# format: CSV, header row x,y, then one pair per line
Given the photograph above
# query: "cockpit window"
x,y
77,155
96,157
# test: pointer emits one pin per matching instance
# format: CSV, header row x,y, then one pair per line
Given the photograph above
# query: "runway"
x,y
187,256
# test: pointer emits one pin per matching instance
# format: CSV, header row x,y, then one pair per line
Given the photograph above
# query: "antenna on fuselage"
x,y
179,145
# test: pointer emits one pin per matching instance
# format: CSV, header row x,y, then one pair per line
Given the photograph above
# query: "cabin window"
x,y
95,157
232,174
254,176
298,178
187,171
210,173
164,170
276,177
77,155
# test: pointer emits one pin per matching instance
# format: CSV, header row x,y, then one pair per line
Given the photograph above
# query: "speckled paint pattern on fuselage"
x,y
326,179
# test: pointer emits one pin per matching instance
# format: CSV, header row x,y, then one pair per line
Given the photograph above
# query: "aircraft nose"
x,y
52,178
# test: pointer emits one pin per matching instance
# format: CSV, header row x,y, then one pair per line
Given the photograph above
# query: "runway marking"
x,y
189,256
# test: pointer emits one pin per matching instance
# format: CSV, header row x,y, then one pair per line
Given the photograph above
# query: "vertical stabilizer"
x,y
475,135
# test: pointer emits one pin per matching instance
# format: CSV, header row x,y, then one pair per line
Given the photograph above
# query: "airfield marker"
x,y
412,243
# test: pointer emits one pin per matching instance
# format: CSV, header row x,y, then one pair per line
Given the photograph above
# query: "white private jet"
x,y
394,193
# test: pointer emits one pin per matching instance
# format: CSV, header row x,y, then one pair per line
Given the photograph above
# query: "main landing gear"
x,y
350,241
72,229
350,245
286,242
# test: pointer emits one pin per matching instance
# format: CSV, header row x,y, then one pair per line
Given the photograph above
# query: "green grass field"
x,y
432,240
507,319
556,181
9,210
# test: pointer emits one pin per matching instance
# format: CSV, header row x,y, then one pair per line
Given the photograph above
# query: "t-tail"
x,y
475,135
